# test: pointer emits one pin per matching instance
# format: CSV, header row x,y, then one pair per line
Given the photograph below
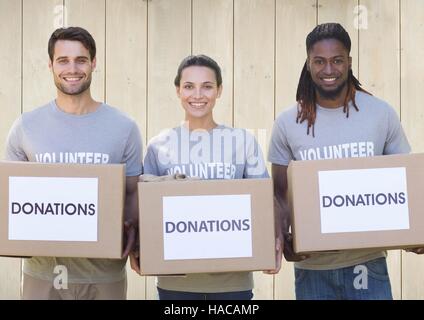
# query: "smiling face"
x,y
198,91
72,67
329,64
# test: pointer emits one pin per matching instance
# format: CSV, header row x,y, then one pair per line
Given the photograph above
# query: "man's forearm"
x,y
131,207
282,214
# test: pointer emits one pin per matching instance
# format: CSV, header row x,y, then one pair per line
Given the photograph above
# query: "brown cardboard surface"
x,y
111,179
304,201
151,226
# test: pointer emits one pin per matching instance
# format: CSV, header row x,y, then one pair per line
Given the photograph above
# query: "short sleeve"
x,y
14,143
133,153
396,141
255,165
279,150
150,161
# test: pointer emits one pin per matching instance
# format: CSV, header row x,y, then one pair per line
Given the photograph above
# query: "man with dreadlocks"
x,y
333,118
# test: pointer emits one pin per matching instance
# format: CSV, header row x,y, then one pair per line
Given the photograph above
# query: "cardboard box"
x,y
62,210
206,226
355,203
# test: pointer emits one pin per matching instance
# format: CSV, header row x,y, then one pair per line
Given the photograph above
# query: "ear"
x,y
307,65
177,89
219,91
350,62
50,65
93,63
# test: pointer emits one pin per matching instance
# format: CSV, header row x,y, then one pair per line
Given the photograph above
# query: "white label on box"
x,y
207,227
363,200
50,208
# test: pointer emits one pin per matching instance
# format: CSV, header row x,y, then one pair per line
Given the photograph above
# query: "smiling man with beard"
x,y
74,128
333,118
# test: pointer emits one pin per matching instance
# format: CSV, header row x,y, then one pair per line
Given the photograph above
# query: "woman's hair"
x,y
199,60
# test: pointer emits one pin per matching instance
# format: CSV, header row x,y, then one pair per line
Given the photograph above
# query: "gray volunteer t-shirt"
x,y
220,153
49,135
374,130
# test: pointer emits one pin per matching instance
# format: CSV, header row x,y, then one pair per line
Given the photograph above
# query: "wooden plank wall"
x,y
260,45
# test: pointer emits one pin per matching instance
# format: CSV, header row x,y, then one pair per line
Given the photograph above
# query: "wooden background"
x,y
260,45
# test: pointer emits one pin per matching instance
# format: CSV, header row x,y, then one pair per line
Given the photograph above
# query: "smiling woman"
x,y
202,148
198,85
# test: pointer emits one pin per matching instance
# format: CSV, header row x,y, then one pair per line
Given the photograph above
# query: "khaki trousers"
x,y
36,289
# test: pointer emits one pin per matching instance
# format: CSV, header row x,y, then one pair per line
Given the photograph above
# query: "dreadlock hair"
x,y
306,95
